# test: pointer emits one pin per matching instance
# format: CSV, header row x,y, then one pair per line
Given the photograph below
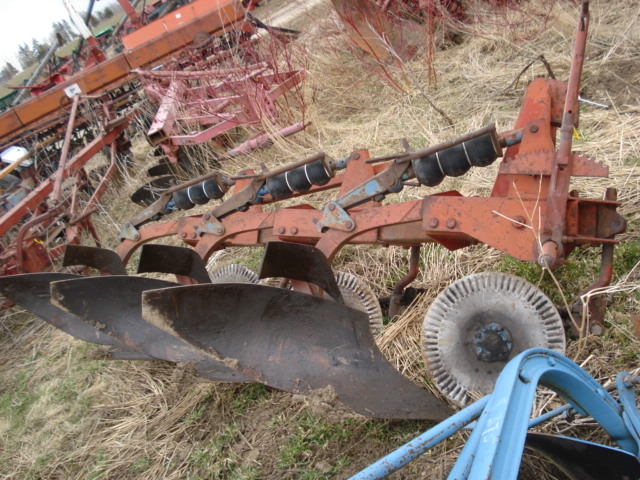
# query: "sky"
x,y
27,19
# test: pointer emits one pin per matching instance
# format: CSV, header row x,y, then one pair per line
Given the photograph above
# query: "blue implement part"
x,y
494,448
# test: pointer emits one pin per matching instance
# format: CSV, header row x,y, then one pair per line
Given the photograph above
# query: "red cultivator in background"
x,y
213,103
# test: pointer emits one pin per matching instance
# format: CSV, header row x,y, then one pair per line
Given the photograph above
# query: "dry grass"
x,y
66,413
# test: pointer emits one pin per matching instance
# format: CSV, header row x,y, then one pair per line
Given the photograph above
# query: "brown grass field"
x,y
66,413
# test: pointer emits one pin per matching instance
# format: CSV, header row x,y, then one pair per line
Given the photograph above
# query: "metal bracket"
x,y
210,224
129,232
334,216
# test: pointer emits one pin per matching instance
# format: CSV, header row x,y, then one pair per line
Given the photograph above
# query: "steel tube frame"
x,y
494,449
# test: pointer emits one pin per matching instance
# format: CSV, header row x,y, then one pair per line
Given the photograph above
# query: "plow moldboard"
x,y
112,304
32,292
294,342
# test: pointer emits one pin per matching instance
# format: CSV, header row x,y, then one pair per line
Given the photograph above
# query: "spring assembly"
x,y
198,194
299,179
455,161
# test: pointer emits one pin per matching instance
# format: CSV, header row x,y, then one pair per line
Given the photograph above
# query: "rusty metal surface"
x,y
176,260
581,460
299,262
113,306
294,342
31,291
106,261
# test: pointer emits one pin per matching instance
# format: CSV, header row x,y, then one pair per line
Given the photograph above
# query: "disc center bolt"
x,y
492,343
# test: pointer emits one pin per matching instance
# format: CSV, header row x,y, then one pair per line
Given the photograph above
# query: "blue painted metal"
x,y
494,448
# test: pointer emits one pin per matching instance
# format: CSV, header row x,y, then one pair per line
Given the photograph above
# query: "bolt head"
x,y
596,329
519,222
533,128
294,230
451,223
281,230
331,207
433,222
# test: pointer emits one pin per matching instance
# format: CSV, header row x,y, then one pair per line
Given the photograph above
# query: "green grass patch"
x,y
311,435
245,396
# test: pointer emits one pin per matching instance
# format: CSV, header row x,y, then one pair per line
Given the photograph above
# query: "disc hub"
x,y
492,343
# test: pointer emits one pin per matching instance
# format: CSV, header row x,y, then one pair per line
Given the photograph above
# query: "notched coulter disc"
x,y
233,273
359,296
478,323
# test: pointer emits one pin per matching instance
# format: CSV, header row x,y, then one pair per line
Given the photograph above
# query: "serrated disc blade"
x,y
462,327
233,273
176,260
293,342
112,305
582,460
358,295
32,292
107,262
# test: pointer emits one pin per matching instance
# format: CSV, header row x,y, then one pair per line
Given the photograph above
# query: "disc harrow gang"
x,y
314,331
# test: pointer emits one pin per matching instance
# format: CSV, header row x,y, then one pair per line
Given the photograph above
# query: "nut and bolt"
x,y
294,230
331,207
533,128
355,156
281,230
433,222
518,222
183,235
451,223
349,224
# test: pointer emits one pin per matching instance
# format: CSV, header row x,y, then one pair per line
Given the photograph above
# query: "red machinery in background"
x,y
68,122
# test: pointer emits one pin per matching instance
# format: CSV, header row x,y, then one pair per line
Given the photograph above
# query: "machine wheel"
x,y
359,296
478,323
233,273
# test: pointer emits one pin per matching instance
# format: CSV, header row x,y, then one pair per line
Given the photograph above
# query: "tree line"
x,y
63,33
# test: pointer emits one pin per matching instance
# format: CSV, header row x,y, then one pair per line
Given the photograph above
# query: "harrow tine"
x,y
310,265
293,342
106,261
31,291
112,305
176,260
581,460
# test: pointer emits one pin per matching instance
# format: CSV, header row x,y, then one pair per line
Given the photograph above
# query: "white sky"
x,y
23,20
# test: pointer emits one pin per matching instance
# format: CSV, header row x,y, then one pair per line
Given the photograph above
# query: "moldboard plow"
x,y
315,331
